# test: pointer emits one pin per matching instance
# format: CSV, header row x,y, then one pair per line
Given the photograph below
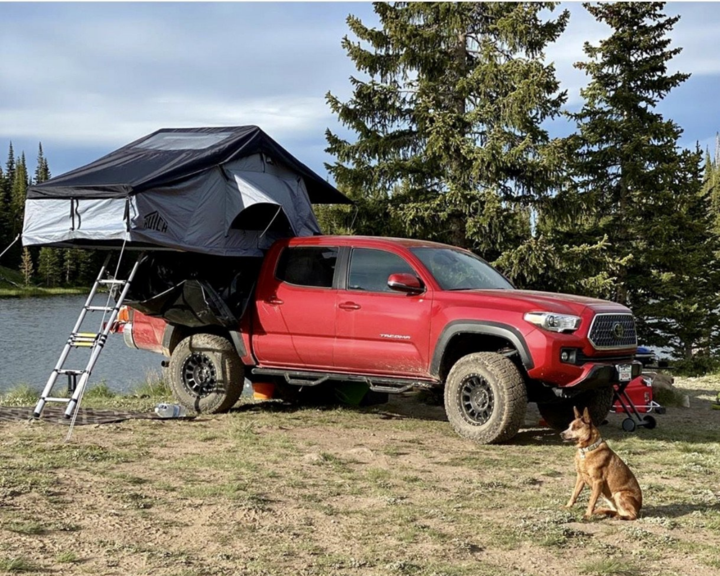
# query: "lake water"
x,y
33,332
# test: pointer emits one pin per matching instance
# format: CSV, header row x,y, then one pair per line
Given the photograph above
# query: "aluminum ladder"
x,y
93,340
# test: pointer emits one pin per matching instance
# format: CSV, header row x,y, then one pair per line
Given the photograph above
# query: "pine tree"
x,y
9,173
4,216
26,266
42,170
6,228
712,182
449,138
49,267
18,193
641,195
14,207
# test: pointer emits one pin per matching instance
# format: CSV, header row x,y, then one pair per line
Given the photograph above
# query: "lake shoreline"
x,y
36,292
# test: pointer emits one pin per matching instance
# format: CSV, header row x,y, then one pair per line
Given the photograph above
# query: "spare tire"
x,y
558,415
206,374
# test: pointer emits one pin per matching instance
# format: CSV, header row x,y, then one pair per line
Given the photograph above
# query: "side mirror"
x,y
404,282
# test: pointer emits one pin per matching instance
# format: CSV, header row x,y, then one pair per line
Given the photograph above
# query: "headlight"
x,y
554,322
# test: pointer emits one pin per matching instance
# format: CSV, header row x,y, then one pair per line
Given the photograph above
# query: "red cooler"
x,y
639,392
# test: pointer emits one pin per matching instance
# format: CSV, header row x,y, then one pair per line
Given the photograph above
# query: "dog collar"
x,y
590,448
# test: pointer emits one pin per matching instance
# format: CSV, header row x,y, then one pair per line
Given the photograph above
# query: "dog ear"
x,y
586,415
577,412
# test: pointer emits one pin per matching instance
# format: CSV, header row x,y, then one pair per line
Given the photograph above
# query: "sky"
x,y
84,78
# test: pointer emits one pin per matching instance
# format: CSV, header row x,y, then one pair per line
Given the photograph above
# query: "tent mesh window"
x,y
183,141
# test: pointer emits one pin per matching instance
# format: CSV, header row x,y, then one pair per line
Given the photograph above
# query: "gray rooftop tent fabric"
x,y
222,191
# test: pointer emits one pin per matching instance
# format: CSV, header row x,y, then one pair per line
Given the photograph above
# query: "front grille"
x,y
612,331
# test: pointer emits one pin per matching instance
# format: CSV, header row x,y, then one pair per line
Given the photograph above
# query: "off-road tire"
x,y
558,415
497,380
225,373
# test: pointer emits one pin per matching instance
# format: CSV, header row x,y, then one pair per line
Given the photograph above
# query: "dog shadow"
x,y
677,510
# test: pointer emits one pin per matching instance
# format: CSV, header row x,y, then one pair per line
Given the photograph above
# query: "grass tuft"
x,y
18,564
669,398
609,567
154,386
66,557
29,528
20,395
100,390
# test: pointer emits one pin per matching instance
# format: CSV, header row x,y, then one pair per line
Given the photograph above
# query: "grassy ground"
x,y
268,489
12,285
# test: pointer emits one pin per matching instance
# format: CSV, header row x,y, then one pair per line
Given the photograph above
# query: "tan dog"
x,y
603,471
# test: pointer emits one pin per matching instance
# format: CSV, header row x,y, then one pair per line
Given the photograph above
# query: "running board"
x,y
376,383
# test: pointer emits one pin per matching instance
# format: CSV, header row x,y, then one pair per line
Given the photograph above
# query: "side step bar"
x,y
376,383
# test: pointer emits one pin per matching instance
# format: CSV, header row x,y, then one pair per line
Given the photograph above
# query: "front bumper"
x,y
597,375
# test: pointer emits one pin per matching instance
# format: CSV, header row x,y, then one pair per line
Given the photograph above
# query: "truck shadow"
x,y
695,425
537,437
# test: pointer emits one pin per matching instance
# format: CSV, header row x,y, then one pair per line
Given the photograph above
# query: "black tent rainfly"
x,y
218,191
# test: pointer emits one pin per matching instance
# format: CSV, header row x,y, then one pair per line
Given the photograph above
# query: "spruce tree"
x,y
641,195
712,182
4,216
49,267
42,170
18,193
6,183
448,135
9,173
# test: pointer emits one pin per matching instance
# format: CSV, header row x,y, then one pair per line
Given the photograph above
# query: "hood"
x,y
535,301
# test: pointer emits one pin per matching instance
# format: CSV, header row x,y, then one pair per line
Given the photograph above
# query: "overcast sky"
x,y
87,78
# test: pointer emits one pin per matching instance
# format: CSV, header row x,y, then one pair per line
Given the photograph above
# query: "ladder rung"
x,y
61,400
87,334
71,372
112,281
100,308
83,344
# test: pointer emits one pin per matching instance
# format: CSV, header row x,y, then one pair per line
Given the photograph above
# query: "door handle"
x,y
274,300
349,306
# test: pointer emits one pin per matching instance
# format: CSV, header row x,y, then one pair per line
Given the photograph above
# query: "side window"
x,y
369,269
308,266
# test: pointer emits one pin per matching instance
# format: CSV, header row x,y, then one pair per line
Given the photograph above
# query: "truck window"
x,y
307,266
457,270
369,269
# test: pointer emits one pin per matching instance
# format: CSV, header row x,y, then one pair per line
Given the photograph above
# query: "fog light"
x,y
568,355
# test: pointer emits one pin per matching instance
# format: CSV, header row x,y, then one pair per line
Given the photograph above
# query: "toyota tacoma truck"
x,y
396,315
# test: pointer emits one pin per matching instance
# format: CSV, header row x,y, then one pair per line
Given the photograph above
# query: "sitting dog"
x,y
603,471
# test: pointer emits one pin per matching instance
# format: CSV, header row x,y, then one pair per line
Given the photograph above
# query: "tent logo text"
x,y
154,221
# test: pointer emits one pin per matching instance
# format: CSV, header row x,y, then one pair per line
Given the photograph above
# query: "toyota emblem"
x,y
618,331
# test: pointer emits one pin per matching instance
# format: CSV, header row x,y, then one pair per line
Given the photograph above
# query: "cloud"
x,y
696,33
85,78
91,121
106,75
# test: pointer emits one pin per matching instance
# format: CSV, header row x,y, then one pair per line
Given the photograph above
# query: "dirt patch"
x,y
269,489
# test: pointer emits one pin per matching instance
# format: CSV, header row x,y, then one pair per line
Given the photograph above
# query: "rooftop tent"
x,y
220,191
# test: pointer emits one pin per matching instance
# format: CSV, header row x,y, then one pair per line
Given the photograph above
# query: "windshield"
x,y
456,270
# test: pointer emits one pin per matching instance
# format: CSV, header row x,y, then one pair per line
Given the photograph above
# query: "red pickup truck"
x,y
401,314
